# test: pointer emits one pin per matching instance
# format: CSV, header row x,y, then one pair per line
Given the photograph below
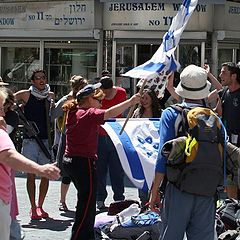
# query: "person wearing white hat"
x,y
183,212
211,96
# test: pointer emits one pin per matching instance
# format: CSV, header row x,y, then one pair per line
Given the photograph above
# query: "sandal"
x,y
63,207
34,215
41,212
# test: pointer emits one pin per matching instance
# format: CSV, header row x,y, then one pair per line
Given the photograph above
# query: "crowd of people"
x,y
83,153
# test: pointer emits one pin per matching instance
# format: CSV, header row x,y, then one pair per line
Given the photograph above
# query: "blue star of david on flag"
x,y
137,148
164,60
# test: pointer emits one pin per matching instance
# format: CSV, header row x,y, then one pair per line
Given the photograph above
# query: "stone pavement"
x,y
59,225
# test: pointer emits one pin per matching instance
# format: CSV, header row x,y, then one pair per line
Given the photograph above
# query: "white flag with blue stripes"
x,y
137,148
164,60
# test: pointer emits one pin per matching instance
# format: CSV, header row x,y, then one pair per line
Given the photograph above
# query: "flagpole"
x,y
164,59
130,113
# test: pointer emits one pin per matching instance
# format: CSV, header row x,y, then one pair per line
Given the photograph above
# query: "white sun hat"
x,y
193,83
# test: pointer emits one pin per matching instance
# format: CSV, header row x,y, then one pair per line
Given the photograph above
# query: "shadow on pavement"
x,y
127,181
69,214
50,224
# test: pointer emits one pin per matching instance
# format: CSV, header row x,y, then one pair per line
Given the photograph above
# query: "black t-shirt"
x,y
231,110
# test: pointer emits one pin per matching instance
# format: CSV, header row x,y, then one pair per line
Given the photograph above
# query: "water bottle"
x,y
132,210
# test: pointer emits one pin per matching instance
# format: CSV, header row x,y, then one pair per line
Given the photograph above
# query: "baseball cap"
x,y
88,90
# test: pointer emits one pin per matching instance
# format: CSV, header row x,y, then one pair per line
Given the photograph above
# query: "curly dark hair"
x,y
233,68
38,71
156,107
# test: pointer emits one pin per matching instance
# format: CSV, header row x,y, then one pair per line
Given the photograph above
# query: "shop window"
x,y
145,52
238,56
224,55
189,54
124,62
71,59
18,64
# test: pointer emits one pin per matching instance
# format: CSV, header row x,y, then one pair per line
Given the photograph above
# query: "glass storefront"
x,y
127,57
189,54
61,60
124,62
18,64
228,52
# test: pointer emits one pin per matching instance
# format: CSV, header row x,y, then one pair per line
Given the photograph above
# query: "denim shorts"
x,y
31,150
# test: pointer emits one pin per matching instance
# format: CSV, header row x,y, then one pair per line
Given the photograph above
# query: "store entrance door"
x,y
145,52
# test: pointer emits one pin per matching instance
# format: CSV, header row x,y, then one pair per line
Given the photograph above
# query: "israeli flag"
x,y
164,60
137,148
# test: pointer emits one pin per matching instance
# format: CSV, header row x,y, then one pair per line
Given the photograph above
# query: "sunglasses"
x,y
40,77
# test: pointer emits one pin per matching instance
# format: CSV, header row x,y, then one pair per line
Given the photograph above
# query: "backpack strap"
x,y
181,125
49,129
177,107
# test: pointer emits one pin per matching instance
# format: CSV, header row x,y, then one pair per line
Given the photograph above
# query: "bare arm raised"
x,y
121,107
22,96
171,88
213,95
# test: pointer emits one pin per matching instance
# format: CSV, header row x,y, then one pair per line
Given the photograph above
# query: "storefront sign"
x,y
168,1
227,17
232,16
153,16
60,15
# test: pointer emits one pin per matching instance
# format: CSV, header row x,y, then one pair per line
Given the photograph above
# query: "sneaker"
x,y
41,212
34,215
63,207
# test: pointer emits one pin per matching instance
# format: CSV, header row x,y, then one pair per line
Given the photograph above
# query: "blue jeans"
x,y
108,160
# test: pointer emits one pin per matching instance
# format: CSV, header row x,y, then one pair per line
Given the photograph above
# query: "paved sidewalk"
x,y
59,225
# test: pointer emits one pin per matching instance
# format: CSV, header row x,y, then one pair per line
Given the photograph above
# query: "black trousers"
x,y
82,172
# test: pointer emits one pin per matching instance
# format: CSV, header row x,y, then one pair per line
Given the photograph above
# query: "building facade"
x,y
84,37
62,37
